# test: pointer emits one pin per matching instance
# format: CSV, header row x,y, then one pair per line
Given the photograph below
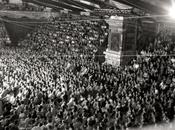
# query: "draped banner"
x,y
115,41
129,40
146,33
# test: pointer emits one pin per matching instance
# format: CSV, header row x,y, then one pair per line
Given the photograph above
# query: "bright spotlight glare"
x,y
172,13
172,10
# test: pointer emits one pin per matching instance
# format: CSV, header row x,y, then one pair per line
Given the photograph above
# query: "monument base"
x,y
112,57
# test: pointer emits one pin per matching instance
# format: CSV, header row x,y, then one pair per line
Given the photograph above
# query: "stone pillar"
x,y
115,39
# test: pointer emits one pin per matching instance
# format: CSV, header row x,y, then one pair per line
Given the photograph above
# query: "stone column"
x,y
115,39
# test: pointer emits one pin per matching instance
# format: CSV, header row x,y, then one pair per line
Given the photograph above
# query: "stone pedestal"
x,y
113,57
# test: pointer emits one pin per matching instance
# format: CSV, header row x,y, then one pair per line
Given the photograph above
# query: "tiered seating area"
x,y
4,38
19,7
57,84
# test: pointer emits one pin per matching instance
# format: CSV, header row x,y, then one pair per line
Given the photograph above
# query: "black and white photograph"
x,y
87,64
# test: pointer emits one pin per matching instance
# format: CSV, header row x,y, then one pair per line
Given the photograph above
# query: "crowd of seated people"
x,y
20,7
70,17
54,83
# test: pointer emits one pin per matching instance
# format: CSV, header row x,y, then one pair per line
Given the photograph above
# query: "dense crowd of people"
x,y
53,82
4,38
